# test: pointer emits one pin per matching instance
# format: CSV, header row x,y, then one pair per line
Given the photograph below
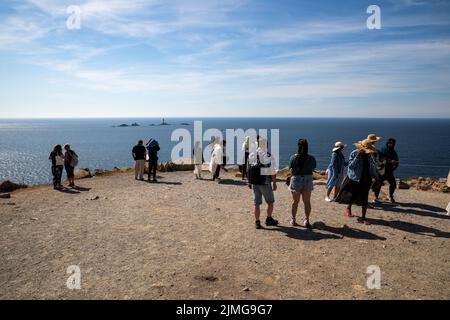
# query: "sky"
x,y
224,58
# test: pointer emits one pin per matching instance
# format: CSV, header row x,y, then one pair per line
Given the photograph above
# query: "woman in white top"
x,y
246,150
216,160
57,158
198,160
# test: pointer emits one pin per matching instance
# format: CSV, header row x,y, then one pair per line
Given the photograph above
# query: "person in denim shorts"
x,y
265,190
301,166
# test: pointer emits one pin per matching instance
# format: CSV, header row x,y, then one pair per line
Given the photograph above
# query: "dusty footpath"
x,y
188,239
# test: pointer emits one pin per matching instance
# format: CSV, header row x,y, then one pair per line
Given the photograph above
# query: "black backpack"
x,y
254,172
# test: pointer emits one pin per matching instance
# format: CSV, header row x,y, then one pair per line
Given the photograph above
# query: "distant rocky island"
x,y
124,125
163,123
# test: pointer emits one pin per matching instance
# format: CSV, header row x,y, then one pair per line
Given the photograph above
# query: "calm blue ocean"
x,y
423,145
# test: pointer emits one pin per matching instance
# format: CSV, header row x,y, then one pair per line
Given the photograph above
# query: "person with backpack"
x,y
262,179
360,172
139,152
70,162
301,167
57,159
152,149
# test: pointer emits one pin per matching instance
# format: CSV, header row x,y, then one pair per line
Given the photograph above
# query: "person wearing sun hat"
x,y
373,138
335,170
360,172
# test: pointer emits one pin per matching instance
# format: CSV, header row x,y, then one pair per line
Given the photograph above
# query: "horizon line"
x,y
225,117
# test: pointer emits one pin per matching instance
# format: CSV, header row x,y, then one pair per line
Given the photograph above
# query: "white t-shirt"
x,y
59,160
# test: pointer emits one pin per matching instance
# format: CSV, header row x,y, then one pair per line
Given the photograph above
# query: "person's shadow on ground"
x,y
68,191
348,232
232,182
74,190
81,189
411,208
412,228
172,183
302,234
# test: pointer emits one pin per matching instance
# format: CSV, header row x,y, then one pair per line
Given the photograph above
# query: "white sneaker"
x,y
327,199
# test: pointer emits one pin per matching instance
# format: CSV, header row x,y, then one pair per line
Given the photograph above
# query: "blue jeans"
x,y
260,191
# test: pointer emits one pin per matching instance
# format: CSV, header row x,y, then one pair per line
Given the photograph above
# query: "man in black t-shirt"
x,y
152,148
139,153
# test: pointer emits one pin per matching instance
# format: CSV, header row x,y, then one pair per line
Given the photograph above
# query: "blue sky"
x,y
150,58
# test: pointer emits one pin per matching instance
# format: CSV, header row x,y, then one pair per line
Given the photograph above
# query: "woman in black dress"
x,y
361,170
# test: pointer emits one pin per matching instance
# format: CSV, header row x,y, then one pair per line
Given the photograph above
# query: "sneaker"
x,y
327,199
271,221
258,224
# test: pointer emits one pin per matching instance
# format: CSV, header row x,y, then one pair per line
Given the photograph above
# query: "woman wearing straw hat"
x,y
335,171
361,169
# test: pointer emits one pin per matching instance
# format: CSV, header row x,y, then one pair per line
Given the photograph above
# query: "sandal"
x,y
307,225
348,213
364,221
294,223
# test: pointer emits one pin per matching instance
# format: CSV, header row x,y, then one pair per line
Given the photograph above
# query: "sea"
x,y
423,145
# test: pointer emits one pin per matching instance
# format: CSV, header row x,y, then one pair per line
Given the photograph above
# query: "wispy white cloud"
x,y
207,55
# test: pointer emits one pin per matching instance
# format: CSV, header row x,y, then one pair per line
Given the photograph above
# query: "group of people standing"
x,y
142,154
67,160
262,179
367,168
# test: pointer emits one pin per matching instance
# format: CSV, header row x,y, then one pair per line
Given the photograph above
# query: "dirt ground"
x,y
188,239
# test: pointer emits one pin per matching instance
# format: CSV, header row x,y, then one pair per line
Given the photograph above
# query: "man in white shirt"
x,y
264,185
